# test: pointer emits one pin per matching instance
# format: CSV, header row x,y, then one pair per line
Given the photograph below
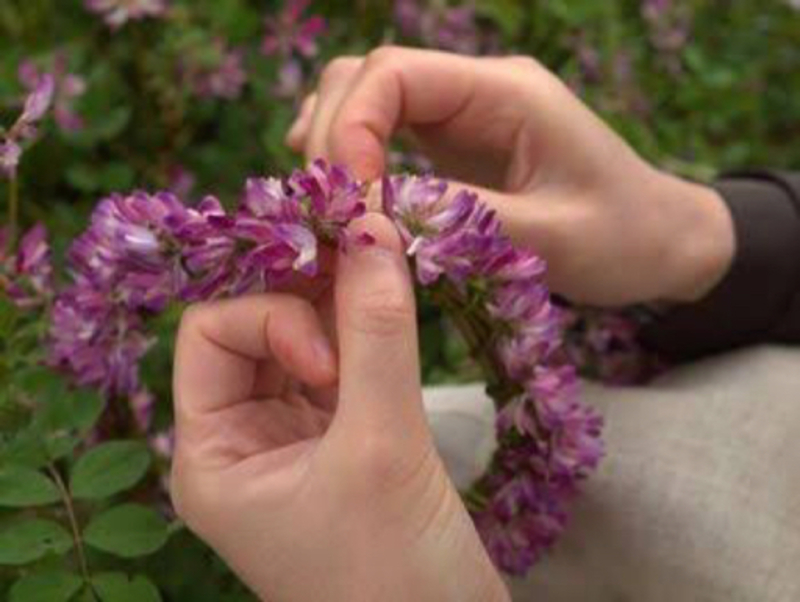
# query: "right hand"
x,y
613,229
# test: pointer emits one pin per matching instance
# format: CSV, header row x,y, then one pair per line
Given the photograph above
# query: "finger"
x,y
335,81
298,132
396,87
379,384
221,344
465,105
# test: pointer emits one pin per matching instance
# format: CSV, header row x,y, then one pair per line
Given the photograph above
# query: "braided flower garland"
x,y
141,252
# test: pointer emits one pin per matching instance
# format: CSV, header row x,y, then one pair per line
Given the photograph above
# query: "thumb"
x,y
379,376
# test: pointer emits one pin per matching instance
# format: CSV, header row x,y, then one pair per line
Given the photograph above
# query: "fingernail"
x,y
324,356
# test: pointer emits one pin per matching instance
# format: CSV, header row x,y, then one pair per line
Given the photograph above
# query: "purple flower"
x,y
27,276
67,87
36,105
289,33
224,79
181,181
292,39
290,79
40,98
330,198
438,25
142,404
118,12
98,342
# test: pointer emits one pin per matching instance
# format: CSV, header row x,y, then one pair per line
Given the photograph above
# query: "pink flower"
x,y
292,39
26,277
224,79
67,88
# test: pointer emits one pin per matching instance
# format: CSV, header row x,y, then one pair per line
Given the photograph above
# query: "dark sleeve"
x,y
759,299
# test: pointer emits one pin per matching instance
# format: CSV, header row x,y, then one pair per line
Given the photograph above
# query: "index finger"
x,y
221,344
396,87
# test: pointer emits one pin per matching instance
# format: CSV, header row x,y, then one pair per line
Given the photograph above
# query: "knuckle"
x,y
338,69
194,318
383,57
524,62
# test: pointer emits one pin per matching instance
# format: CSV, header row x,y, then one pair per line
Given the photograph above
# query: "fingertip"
x,y
324,362
381,229
355,146
295,137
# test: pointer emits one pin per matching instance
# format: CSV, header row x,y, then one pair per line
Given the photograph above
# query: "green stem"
x,y
73,522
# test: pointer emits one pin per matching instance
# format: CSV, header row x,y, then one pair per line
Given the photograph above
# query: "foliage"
x,y
192,100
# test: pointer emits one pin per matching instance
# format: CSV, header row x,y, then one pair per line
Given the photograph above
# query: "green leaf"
x,y
116,587
51,586
109,469
27,541
21,487
92,177
508,14
128,531
65,419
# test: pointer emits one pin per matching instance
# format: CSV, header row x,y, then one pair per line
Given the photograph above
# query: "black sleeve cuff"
x,y
759,299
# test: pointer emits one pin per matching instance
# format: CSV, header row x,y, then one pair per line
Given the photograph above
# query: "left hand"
x,y
317,482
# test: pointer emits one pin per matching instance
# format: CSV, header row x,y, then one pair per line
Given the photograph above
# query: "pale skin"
x,y
303,454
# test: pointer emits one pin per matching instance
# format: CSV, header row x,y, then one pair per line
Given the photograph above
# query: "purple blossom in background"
x,y
181,181
222,80
605,345
67,88
290,79
142,251
118,12
670,26
292,38
438,25
27,276
25,128
289,33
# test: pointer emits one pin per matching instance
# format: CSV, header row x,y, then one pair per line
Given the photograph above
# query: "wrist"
x,y
700,244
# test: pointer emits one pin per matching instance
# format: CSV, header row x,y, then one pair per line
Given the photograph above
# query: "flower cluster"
x,y
25,128
292,38
549,441
143,251
118,12
26,276
605,346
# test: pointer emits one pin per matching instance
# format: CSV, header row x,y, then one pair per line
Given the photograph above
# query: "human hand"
x,y
316,481
613,229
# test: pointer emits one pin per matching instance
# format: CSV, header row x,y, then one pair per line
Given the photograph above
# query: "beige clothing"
x,y
698,499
